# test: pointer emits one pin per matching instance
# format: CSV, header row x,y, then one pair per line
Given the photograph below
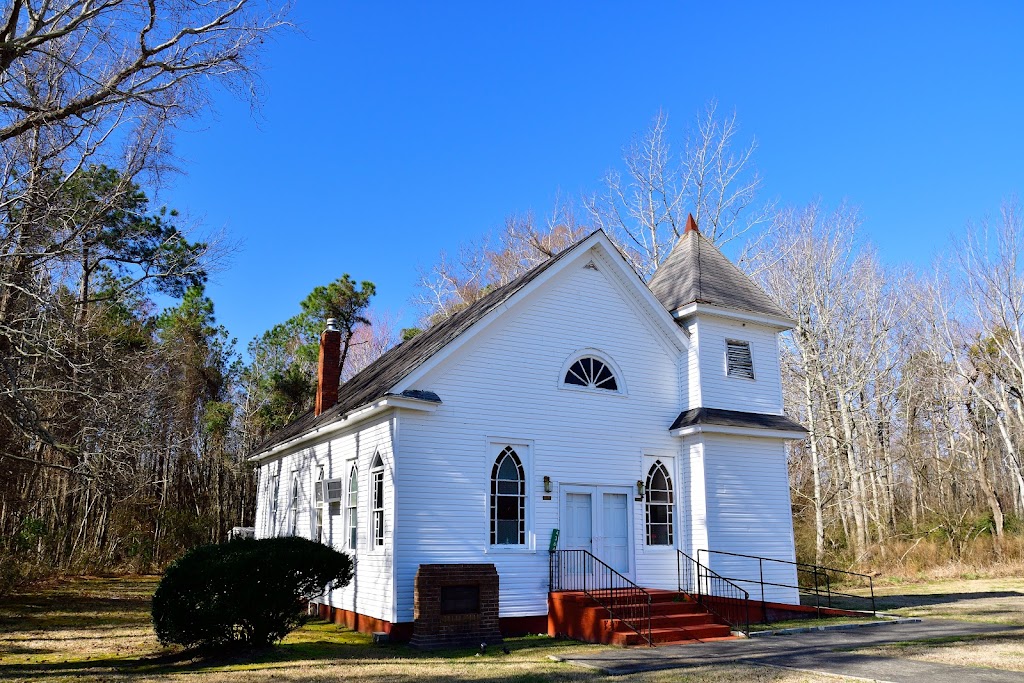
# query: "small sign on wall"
x,y
554,541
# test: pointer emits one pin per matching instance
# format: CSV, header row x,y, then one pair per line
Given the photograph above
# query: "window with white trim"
x,y
377,501
659,505
295,501
508,499
318,494
273,486
352,508
591,373
738,361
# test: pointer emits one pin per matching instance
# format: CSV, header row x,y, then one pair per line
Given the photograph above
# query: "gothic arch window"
x,y
659,505
352,507
508,499
318,493
590,372
377,501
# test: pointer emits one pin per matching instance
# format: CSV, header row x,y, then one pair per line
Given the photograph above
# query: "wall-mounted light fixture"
x,y
547,484
640,488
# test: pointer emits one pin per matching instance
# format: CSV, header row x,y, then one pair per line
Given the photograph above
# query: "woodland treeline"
x,y
127,411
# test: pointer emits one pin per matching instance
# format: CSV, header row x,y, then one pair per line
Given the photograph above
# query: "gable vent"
x,y
737,359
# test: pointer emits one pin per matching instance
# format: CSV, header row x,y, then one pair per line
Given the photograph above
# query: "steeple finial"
x,y
691,225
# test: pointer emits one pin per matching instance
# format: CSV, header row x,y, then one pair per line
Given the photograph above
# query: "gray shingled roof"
x,y
735,418
697,272
374,381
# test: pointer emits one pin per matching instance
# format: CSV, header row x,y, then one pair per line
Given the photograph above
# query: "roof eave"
x,y
349,419
760,432
780,322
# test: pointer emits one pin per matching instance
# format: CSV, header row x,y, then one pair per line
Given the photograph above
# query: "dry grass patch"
x,y
998,651
997,601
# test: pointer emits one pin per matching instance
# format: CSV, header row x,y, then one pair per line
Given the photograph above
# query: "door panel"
x,y
579,522
615,536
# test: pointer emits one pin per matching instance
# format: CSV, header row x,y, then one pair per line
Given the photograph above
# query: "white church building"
x,y
643,422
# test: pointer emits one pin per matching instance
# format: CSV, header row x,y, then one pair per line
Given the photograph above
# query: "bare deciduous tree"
x,y
710,176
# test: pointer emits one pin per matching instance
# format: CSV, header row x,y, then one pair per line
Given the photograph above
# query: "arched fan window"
x,y
592,373
508,499
659,505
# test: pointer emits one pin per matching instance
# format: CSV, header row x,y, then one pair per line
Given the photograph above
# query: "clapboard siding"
x,y
371,589
507,386
763,394
748,511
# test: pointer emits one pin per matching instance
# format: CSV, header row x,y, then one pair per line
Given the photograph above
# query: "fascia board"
x,y
777,322
784,434
349,419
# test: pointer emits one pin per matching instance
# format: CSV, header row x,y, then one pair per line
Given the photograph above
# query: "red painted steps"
x,y
673,620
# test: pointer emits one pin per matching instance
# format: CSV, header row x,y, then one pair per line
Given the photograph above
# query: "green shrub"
x,y
245,592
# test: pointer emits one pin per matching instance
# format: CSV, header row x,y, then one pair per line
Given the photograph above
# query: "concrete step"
x,y
672,635
665,621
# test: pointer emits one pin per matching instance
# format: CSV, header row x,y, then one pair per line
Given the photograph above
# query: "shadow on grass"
x,y
340,646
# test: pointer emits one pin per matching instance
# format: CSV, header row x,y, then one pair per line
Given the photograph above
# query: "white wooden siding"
x,y
763,394
749,512
371,589
506,385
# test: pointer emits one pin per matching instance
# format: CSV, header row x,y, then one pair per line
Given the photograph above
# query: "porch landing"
x,y
674,620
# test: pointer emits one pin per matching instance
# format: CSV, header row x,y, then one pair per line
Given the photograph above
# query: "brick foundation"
x,y
473,622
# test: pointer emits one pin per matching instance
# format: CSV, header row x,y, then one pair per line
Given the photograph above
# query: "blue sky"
x,y
390,130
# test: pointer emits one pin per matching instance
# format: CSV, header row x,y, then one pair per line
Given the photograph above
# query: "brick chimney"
x,y
328,374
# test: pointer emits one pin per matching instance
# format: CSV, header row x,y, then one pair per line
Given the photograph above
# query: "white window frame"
x,y
524,450
667,466
296,493
352,507
616,371
377,518
750,350
273,486
318,506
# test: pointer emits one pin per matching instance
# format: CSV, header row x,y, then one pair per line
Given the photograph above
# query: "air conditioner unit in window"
x,y
332,490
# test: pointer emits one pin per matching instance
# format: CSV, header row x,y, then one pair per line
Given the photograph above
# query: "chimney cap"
x,y
332,324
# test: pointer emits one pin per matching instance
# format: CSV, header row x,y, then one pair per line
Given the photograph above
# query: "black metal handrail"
x,y
701,583
625,602
817,580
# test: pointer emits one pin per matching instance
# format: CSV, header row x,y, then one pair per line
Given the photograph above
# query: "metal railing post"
x,y
764,605
871,583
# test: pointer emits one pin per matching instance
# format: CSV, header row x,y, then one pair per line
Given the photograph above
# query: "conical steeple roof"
x,y
697,272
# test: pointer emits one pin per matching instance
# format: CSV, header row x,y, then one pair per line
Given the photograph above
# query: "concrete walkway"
x,y
816,651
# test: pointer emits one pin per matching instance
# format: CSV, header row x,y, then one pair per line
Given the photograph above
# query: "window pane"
x,y
508,533
508,470
508,487
659,514
508,507
658,534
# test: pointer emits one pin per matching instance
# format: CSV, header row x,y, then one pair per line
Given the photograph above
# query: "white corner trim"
x,y
785,434
345,421
780,323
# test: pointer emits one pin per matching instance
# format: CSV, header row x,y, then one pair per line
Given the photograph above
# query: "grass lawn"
x,y
996,601
98,629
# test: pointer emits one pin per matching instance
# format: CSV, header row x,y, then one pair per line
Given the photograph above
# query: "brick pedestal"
x,y
464,614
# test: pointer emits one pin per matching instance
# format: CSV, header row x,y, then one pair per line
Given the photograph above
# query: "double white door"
x,y
597,519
